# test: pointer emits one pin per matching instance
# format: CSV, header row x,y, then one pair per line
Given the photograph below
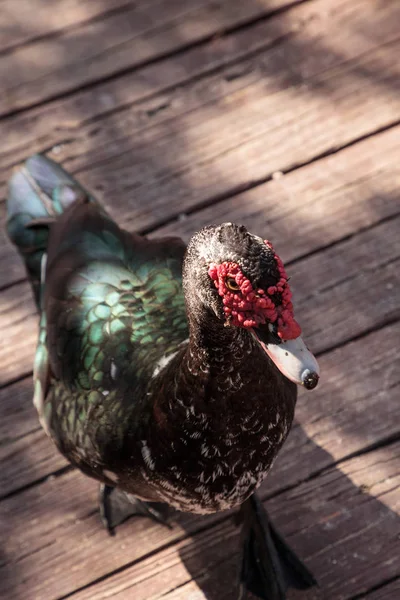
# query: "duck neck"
x,y
219,359
215,359
211,344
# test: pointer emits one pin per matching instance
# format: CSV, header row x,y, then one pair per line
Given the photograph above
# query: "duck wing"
x,y
113,301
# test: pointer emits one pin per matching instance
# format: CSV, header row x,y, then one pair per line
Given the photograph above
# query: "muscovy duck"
x,y
168,374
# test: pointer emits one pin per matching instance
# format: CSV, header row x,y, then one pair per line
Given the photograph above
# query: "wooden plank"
x,y
387,592
67,504
363,277
313,206
19,325
15,420
164,189
204,558
249,136
63,122
360,182
296,63
25,466
20,432
25,21
123,40
42,127
341,531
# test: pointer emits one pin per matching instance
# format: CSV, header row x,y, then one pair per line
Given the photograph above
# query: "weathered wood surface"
x,y
296,61
177,116
43,22
311,108
355,29
390,591
124,39
219,123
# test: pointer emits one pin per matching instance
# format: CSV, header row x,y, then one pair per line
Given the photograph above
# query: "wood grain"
x,y
121,40
223,148
26,453
26,21
386,592
259,96
15,422
326,200
309,39
28,459
44,128
315,205
19,326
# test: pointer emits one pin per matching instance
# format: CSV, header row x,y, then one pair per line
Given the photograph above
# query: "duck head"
x,y
239,278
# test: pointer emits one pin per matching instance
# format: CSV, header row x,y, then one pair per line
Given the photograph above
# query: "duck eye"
x,y
232,285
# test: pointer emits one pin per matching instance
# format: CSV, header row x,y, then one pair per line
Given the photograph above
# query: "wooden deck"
x,y
285,116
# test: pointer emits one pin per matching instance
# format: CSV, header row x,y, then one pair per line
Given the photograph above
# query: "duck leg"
x,y
269,566
117,506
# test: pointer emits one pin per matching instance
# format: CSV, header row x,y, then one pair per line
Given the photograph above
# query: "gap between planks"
x,y
248,186
173,27
64,20
147,194
387,590
203,63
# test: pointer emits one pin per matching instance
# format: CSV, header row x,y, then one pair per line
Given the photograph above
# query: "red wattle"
x,y
248,307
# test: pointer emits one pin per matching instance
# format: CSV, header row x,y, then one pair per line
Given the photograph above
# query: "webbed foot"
x,y
269,565
117,506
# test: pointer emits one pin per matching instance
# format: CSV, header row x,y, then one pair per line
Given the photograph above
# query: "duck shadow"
x,y
323,511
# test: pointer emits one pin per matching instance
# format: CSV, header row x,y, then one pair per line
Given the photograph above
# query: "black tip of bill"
x,y
310,379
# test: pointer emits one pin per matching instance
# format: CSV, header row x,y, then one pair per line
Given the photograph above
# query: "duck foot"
x,y
269,565
117,506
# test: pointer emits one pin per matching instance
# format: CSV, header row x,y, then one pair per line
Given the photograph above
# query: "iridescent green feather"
x,y
112,307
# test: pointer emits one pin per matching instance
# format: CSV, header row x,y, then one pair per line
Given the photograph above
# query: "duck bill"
x,y
293,359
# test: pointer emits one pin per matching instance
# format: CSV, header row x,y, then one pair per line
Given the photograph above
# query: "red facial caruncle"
x,y
247,307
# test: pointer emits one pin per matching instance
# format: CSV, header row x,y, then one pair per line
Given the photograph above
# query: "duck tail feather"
x,y
38,191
